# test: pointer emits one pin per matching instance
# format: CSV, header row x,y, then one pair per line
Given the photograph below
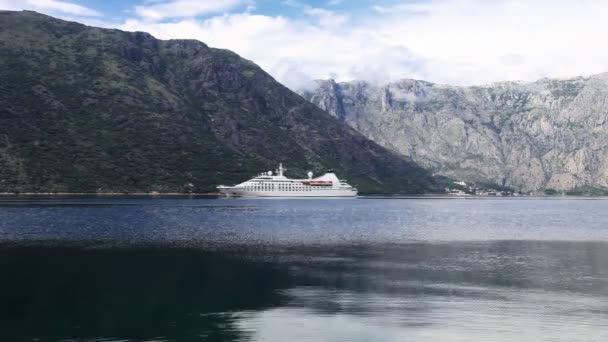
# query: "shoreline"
x,y
216,195
106,194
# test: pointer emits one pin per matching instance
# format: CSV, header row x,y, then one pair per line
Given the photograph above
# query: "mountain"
x,y
552,133
86,109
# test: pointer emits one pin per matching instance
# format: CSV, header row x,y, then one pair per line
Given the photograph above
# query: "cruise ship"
x,y
271,184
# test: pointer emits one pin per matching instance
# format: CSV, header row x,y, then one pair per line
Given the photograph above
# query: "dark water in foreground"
x,y
304,270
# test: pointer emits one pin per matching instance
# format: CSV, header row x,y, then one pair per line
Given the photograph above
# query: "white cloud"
x,y
186,8
445,41
469,41
295,52
326,18
51,6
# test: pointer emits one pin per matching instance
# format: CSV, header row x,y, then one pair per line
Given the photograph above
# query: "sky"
x,y
457,42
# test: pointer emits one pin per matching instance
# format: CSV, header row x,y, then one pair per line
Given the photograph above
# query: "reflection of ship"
x,y
269,185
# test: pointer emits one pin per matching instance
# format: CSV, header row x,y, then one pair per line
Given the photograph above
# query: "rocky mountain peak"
x,y
550,133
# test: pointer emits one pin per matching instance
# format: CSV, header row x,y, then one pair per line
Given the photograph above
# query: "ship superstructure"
x,y
271,184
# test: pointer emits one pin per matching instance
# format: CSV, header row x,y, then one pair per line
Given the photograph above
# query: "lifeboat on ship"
x,y
318,183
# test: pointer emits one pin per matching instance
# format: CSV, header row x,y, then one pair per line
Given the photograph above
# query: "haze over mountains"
x,y
552,133
85,109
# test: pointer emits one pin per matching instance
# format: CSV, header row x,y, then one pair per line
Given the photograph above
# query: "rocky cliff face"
x,y
546,134
91,109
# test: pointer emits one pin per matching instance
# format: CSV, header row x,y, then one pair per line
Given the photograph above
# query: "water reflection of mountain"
x,y
324,292
62,293
364,280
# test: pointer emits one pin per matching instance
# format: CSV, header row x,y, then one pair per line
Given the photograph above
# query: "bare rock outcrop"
x,y
546,134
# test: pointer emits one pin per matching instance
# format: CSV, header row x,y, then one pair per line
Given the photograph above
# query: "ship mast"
x,y
280,169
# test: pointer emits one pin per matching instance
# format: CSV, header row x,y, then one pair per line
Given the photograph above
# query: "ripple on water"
x,y
304,270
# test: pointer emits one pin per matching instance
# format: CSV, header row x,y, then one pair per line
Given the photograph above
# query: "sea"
x,y
368,269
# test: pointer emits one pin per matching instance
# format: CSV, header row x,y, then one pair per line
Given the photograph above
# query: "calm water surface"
x,y
303,270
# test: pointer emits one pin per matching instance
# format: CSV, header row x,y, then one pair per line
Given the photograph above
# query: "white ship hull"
x,y
239,192
267,185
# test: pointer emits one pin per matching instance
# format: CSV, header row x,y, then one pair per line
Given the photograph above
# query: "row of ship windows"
x,y
280,188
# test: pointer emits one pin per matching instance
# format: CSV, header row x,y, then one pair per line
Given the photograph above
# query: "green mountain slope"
x,y
85,109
